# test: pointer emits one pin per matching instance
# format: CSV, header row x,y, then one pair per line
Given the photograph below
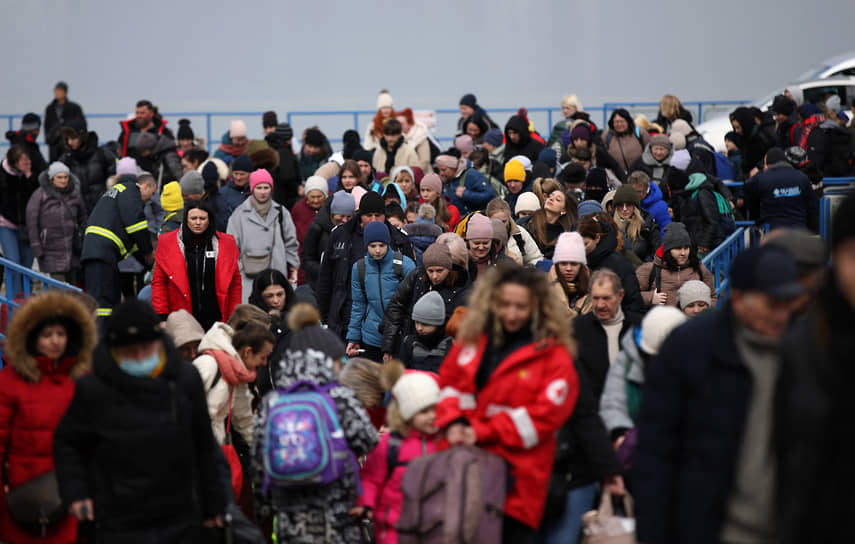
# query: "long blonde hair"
x,y
548,319
670,106
634,224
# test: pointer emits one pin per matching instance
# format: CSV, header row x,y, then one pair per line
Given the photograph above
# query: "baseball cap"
x,y
766,269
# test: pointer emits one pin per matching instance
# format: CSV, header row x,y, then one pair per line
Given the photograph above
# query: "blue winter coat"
x,y
478,191
657,207
380,285
228,200
422,235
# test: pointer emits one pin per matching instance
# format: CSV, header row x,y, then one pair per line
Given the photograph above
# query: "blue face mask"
x,y
141,368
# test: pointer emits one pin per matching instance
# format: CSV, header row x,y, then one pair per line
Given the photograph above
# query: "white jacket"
x,y
220,338
533,254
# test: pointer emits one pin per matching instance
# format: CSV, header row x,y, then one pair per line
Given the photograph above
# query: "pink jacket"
x,y
381,491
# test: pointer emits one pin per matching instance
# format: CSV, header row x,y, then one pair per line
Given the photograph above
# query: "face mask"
x,y
140,368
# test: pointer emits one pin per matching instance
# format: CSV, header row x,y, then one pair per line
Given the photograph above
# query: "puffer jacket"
x,y
53,217
405,155
344,247
657,170
425,352
522,247
477,190
275,236
699,213
229,199
34,394
312,248
671,280
621,396
163,163
219,338
381,488
371,299
398,322
648,241
309,514
91,166
655,205
421,235
605,256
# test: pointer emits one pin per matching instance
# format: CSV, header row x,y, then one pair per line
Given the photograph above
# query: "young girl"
x,y
447,215
556,216
411,417
570,274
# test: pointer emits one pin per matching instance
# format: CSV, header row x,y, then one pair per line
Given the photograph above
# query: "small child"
x,y
426,349
372,290
411,418
733,143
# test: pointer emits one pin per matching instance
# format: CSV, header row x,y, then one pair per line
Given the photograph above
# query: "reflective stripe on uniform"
x,y
466,401
137,227
101,231
104,312
120,187
525,426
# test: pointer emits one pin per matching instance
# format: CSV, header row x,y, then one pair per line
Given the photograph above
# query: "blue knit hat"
x,y
494,137
588,207
375,231
242,163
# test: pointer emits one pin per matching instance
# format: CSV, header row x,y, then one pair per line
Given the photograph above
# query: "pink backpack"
x,y
455,495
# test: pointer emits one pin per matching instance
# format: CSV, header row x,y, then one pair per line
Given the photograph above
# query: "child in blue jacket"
x,y
373,281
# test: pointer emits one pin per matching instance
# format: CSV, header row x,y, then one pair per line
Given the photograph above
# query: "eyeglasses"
x,y
625,205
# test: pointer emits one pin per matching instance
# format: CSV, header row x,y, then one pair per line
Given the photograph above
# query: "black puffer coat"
x,y
398,323
163,424
527,145
314,245
15,192
606,256
25,140
648,241
92,168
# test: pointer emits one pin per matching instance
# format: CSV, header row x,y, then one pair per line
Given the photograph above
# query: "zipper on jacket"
x,y
380,282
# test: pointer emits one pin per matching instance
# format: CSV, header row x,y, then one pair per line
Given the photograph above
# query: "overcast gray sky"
x,y
264,54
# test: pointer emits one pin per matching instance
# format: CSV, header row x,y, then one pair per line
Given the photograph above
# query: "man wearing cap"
x,y
117,228
26,137
235,191
57,114
781,196
704,468
467,188
87,161
814,402
345,247
135,452
146,119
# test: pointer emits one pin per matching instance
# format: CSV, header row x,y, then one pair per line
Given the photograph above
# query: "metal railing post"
x,y
208,120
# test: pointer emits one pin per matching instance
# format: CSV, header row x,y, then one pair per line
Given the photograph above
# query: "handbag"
x,y
238,529
231,454
36,503
254,264
602,526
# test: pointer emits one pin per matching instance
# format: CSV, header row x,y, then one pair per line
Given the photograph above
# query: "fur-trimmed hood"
x,y
35,310
50,190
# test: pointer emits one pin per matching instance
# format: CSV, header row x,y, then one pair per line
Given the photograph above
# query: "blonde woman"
x,y
671,109
640,233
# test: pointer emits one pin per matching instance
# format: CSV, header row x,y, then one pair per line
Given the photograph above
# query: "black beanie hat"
x,y
268,119
134,322
371,202
243,163
362,155
285,131
314,137
676,236
469,99
843,223
184,130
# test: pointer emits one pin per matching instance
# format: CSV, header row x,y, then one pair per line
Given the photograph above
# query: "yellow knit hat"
x,y
514,171
171,198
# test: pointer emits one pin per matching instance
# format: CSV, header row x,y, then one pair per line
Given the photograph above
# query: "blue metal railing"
x,y
215,123
28,276
718,262
828,182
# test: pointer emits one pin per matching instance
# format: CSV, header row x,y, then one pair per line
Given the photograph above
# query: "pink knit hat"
x,y
237,129
479,228
447,161
260,176
358,192
464,143
570,248
432,181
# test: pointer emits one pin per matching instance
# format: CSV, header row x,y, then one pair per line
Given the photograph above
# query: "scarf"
x,y
232,369
809,124
57,371
261,207
234,150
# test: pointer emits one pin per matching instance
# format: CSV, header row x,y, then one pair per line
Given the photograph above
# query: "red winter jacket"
x,y
170,288
516,415
381,491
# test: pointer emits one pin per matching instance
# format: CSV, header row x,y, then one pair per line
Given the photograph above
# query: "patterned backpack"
x,y
303,443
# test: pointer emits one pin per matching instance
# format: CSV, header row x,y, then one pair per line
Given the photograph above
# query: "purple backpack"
x,y
303,443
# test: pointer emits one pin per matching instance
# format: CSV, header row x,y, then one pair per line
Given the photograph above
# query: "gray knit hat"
x,y
694,291
192,183
430,309
676,235
343,203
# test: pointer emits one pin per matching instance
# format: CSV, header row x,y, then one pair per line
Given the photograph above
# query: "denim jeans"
x,y
566,530
18,252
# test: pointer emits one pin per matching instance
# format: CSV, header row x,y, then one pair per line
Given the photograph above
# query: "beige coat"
x,y
582,305
220,338
405,156
671,281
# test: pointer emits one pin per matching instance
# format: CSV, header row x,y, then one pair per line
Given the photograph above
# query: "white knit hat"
x,y
384,100
694,291
527,202
237,129
414,392
657,325
570,248
317,183
525,161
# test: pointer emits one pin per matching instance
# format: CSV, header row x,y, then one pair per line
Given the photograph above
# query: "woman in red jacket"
x,y
508,384
196,268
49,344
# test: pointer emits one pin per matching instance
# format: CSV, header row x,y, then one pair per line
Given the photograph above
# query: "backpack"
x,y
397,266
302,442
726,223
723,168
655,277
460,228
456,495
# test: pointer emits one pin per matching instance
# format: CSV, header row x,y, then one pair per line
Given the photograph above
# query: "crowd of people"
x,y
512,293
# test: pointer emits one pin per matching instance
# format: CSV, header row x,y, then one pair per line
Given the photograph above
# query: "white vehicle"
x,y
839,65
714,130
